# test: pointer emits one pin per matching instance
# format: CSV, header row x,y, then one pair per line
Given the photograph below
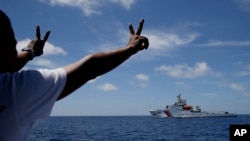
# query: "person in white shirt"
x,y
28,95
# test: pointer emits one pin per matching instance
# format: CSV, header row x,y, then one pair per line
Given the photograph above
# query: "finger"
x,y
138,32
145,42
131,29
38,34
45,38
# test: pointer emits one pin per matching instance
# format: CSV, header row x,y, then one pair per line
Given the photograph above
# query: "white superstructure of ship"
x,y
180,108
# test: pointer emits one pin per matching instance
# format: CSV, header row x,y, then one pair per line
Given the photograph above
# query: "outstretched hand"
x,y
37,45
137,41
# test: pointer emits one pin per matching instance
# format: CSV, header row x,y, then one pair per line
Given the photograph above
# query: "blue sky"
x,y
198,48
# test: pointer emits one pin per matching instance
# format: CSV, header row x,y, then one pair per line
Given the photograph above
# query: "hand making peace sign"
x,y
38,44
136,40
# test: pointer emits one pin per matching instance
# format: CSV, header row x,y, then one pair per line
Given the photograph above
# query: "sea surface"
x,y
134,128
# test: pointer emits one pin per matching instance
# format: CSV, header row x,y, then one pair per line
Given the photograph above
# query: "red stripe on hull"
x,y
168,113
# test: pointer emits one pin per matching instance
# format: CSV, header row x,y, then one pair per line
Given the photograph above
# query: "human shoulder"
x,y
43,72
33,75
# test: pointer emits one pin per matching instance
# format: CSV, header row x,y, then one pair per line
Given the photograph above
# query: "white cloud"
x,y
160,40
226,43
244,5
125,3
44,63
246,71
142,80
237,87
142,77
49,49
240,88
185,71
247,67
94,80
89,7
108,87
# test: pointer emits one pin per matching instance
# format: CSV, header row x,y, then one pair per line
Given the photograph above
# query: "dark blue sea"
x,y
134,128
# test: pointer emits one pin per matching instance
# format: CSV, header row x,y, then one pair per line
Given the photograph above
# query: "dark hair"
x,y
4,20
6,31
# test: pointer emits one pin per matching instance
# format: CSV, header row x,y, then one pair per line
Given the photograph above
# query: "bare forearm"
x,y
103,62
92,66
22,58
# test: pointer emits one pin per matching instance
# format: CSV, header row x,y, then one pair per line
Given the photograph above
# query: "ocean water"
x,y
134,128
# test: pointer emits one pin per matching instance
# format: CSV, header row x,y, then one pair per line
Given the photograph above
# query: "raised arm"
x,y
34,49
97,64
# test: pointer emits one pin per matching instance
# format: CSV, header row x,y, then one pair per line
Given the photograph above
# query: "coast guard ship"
x,y
181,109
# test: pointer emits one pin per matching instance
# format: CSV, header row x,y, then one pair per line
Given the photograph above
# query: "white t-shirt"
x,y
26,96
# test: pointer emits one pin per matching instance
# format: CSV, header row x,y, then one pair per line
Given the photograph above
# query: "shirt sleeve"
x,y
35,92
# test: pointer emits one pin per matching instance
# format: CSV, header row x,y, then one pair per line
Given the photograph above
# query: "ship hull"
x,y
187,114
180,108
